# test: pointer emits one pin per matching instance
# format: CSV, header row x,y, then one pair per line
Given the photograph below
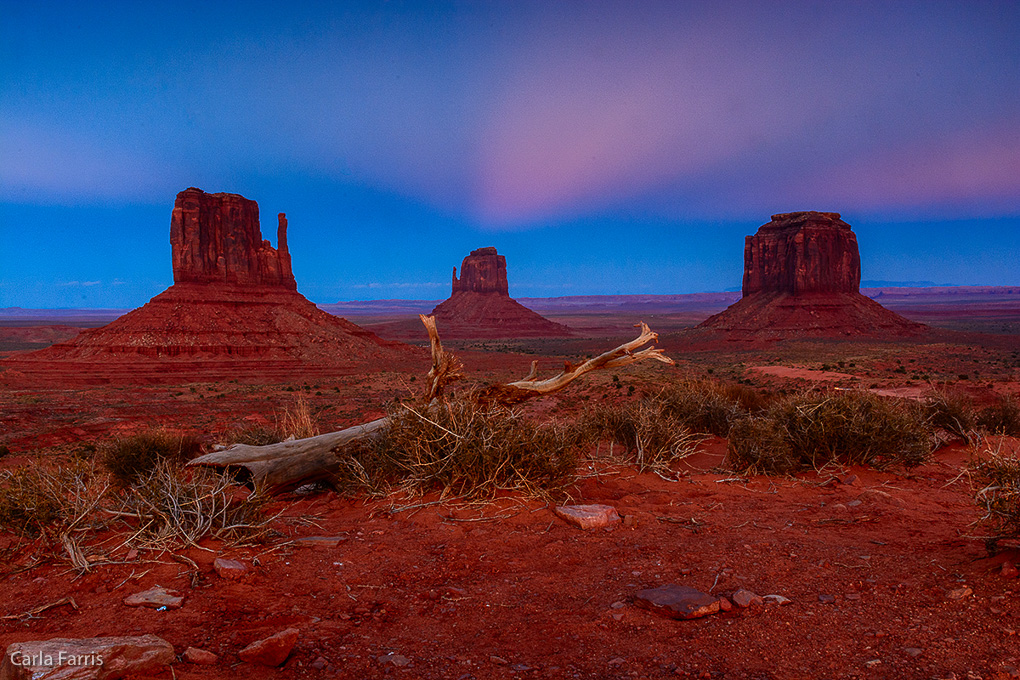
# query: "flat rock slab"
x,y
272,651
318,541
155,597
589,516
677,602
104,658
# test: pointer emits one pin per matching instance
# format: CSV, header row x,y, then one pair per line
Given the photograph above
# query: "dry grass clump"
x,y
131,458
464,448
707,406
847,427
951,412
256,435
173,507
997,476
653,438
1001,418
42,499
298,421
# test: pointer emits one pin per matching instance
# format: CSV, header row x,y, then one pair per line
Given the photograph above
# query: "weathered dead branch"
x,y
286,465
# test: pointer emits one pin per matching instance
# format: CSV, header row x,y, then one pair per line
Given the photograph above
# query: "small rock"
x,y
873,663
618,661
854,503
200,656
589,516
777,599
131,554
677,602
319,663
106,657
1009,570
395,659
745,598
155,598
960,593
229,569
618,605
318,541
629,521
450,591
912,651
617,616
725,605
271,651
853,596
851,480
498,660
826,599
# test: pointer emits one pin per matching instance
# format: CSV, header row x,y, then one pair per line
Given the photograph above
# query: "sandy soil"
x,y
877,564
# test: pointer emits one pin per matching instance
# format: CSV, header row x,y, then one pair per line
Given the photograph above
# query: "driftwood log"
x,y
287,465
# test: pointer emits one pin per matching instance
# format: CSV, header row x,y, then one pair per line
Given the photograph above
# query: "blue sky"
x,y
603,147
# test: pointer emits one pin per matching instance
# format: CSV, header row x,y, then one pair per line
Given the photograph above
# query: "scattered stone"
x,y
131,555
498,660
589,516
200,656
319,663
677,602
103,657
851,480
960,593
777,599
618,605
1009,570
854,503
395,659
912,651
451,591
725,605
318,541
826,599
873,663
618,661
745,598
155,598
853,596
229,569
271,651
629,521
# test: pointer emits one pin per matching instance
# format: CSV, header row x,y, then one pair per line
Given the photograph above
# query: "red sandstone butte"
x,y
480,305
232,312
802,277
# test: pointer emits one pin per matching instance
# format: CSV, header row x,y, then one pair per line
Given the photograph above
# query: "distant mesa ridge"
x,y
480,305
802,277
232,312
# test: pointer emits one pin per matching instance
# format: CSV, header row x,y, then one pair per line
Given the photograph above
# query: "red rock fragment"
x,y
200,657
589,516
677,602
229,569
103,657
271,651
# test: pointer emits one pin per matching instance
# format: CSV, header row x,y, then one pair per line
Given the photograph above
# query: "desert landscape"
x,y
663,420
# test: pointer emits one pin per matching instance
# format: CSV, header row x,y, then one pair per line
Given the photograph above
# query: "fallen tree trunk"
x,y
290,464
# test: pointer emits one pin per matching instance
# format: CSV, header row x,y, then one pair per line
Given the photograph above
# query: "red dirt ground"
x,y
508,590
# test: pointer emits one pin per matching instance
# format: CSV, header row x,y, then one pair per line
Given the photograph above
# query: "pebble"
x,y
912,651
1009,570
777,599
318,541
826,599
200,657
745,598
960,593
395,659
229,569
498,660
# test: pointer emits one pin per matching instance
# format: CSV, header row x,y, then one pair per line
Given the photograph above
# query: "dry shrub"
x,y
463,448
997,476
951,412
652,438
1001,418
707,406
174,506
848,427
298,421
43,499
131,458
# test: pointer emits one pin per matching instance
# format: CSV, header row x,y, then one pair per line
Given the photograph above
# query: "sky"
x,y
603,147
